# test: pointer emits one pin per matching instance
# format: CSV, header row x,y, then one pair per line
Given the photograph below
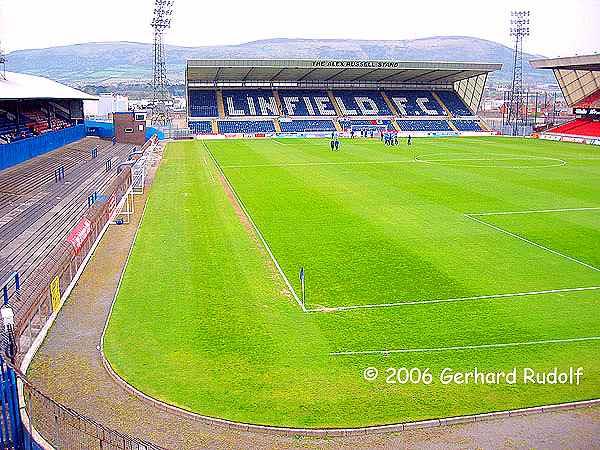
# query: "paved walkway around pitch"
x,y
68,367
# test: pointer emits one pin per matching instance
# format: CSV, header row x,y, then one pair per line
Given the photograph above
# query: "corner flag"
x,y
302,282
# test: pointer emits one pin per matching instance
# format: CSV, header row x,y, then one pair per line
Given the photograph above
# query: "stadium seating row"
x,y
318,103
31,121
466,125
306,103
246,126
579,127
201,127
301,126
591,101
424,125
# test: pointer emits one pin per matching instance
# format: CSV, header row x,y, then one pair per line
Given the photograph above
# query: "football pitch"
x,y
453,253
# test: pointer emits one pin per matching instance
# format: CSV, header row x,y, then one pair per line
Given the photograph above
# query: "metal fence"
x,y
65,429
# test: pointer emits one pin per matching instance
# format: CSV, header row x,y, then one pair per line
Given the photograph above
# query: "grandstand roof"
x,y
577,76
18,86
585,62
331,71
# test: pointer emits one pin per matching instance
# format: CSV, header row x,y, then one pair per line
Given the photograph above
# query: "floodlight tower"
x,y
519,29
163,9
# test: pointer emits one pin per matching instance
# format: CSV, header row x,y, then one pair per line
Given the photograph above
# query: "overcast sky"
x,y
559,28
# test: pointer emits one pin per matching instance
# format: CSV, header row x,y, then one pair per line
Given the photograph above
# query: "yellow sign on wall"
x,y
55,293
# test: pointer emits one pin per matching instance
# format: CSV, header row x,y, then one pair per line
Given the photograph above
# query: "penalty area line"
x,y
532,211
465,347
554,252
450,300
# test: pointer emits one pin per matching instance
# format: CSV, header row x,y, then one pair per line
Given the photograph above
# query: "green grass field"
x,y
410,252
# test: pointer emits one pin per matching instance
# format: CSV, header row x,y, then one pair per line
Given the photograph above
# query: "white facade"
x,y
107,105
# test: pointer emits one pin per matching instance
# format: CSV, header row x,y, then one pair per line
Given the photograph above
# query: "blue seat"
x,y
306,103
361,103
240,103
201,127
246,126
466,125
424,125
454,103
415,103
203,103
299,126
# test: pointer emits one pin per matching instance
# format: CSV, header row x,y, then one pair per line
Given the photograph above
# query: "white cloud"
x,y
558,27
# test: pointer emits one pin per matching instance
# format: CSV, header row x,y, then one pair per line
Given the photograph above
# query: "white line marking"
x,y
256,229
450,300
277,142
322,163
466,347
532,211
589,266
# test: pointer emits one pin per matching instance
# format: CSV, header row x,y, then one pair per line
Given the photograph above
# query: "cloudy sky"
x,y
559,28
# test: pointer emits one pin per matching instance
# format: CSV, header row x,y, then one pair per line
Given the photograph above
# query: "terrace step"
x,y
220,104
439,100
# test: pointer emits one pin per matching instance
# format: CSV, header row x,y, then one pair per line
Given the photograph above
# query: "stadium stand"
x,y
299,126
306,103
316,95
361,103
318,104
31,106
200,127
38,122
579,127
591,101
415,103
10,132
454,103
466,125
250,103
203,103
424,125
246,126
578,78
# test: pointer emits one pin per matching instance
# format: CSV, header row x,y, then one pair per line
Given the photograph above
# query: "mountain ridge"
x,y
118,61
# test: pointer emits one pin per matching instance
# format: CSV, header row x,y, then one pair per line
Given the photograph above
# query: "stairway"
x,y
334,103
278,102
389,103
220,104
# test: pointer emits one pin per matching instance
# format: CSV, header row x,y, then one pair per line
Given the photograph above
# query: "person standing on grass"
x,y
337,144
332,144
409,140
